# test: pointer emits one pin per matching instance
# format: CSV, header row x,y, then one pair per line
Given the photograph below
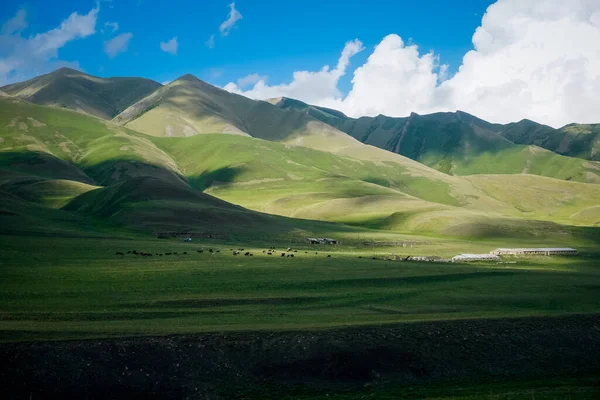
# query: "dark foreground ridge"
x,y
224,365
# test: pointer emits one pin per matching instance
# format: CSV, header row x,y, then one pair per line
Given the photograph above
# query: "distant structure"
x,y
320,241
475,257
426,258
549,251
187,239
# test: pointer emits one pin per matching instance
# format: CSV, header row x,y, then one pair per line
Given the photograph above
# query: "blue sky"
x,y
273,38
502,60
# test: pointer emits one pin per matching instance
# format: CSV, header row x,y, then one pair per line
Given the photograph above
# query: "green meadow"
x,y
67,288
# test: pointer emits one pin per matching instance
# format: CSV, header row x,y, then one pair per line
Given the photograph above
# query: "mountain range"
x,y
144,156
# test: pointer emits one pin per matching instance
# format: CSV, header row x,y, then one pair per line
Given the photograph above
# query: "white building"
x,y
544,251
475,257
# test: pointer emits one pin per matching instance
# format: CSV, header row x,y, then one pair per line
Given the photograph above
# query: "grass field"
x,y
58,288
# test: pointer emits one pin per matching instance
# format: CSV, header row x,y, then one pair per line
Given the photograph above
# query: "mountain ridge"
x,y
76,90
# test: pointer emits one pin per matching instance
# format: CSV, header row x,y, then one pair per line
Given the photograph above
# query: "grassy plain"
x,y
59,288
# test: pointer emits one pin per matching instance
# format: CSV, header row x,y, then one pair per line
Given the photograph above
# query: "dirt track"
x,y
198,366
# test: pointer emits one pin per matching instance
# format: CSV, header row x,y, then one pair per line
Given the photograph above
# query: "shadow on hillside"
x,y
121,169
38,164
168,202
221,176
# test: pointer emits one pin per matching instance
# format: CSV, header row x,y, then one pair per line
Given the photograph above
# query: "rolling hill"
x,y
98,170
75,90
164,163
461,144
189,106
453,143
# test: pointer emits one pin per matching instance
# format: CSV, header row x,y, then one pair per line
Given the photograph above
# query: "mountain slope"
x,y
576,140
75,90
189,106
459,143
51,157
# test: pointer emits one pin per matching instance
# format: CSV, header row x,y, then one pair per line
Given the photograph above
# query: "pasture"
x,y
67,288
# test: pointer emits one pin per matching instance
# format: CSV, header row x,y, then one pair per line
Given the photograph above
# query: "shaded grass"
x,y
53,287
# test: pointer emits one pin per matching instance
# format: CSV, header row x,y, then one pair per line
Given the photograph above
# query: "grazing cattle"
x,y
247,253
134,252
160,254
185,252
295,251
118,253
168,254
291,255
175,252
218,251
210,250
269,254
329,255
200,251
289,249
282,254
235,253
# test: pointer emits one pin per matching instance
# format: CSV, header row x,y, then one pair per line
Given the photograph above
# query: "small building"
x,y
543,251
426,258
320,241
187,239
475,257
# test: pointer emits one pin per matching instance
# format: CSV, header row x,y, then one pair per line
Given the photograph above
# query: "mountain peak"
x,y
189,78
66,70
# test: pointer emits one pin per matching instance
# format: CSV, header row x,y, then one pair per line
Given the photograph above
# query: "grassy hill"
x,y
189,106
75,90
62,159
576,140
461,144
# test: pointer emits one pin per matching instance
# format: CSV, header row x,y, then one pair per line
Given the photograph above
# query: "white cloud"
x,y
118,44
114,26
16,24
170,46
22,58
251,79
232,18
312,87
536,59
210,43
532,59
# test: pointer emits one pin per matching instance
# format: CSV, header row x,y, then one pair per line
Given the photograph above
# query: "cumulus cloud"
x,y
312,87
22,58
170,46
114,26
117,45
233,17
536,59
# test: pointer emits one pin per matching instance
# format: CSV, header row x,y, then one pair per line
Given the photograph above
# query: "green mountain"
x,y
461,144
189,106
75,90
575,140
65,166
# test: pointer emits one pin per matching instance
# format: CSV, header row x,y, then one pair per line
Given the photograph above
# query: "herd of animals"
x,y
270,251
